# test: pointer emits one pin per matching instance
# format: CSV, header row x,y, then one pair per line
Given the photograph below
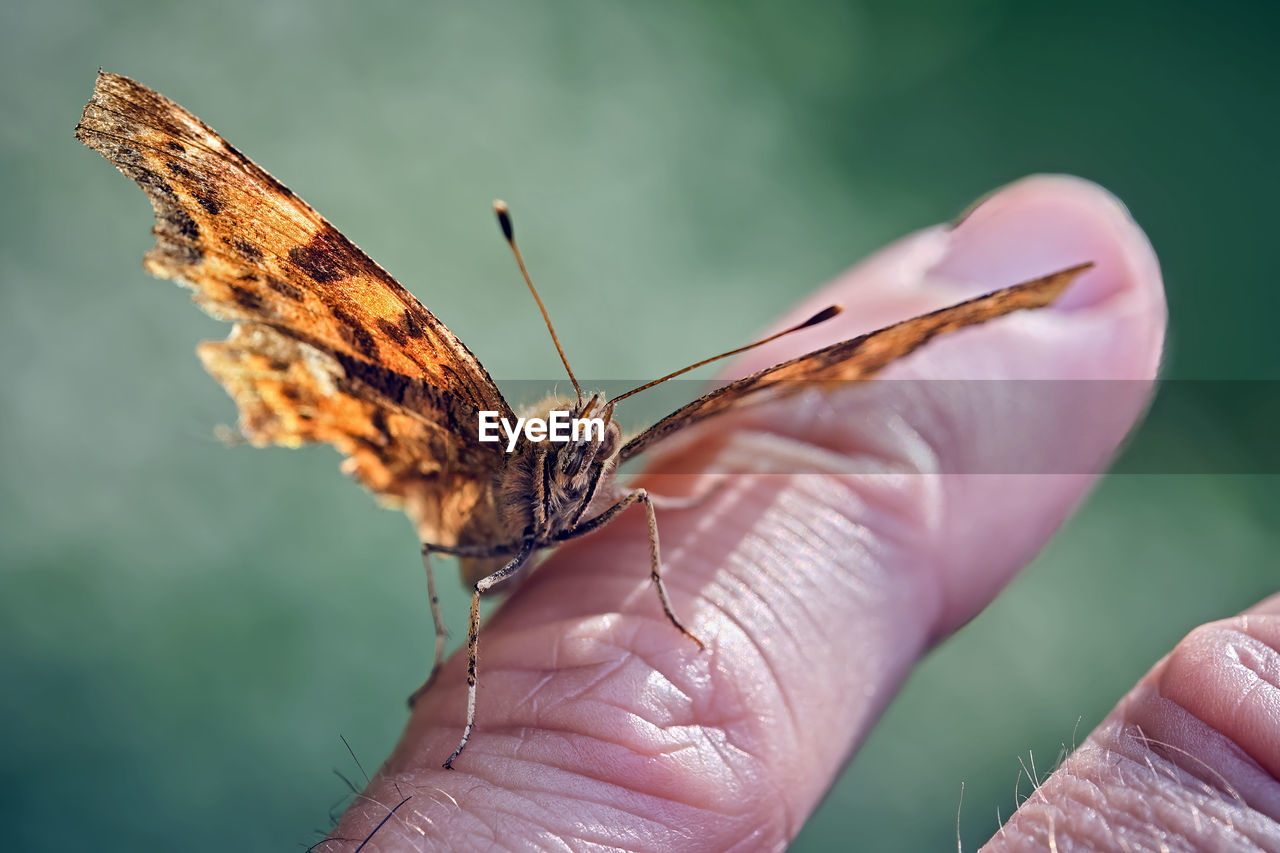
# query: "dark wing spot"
x,y
246,298
136,168
317,262
175,146
329,256
157,184
388,383
246,250
182,221
176,168
208,202
356,335
412,327
285,289
391,330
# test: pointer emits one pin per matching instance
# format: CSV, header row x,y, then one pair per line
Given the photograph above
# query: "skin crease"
x,y
601,727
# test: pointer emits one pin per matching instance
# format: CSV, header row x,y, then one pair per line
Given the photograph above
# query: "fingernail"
x,y
1039,225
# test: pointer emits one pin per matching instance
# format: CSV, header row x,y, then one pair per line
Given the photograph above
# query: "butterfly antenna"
x,y
821,317
504,220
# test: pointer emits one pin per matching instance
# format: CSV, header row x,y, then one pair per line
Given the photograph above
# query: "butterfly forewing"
x,y
328,346
857,358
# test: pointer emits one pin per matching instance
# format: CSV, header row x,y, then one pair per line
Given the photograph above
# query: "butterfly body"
x,y
328,348
547,488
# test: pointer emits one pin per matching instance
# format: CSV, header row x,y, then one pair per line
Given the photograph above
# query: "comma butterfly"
x,y
327,347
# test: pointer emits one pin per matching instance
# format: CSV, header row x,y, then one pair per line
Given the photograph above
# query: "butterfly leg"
x,y
442,632
473,639
655,559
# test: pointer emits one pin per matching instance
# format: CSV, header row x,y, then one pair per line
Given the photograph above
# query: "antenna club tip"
x,y
822,316
504,218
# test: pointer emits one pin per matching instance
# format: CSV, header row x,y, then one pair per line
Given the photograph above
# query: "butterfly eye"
x,y
571,461
609,443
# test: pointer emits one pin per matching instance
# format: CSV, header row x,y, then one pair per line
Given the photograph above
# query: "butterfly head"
x,y
594,445
564,472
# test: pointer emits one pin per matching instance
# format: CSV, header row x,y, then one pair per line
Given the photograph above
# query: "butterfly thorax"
x,y
547,487
544,489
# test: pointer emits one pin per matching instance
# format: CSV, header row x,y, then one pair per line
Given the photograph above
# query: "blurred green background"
x,y
186,630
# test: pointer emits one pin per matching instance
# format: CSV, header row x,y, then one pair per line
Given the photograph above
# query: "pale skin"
x,y
601,724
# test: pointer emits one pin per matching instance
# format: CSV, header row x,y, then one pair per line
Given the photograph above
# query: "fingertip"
x,y
1047,222
1108,324
1269,606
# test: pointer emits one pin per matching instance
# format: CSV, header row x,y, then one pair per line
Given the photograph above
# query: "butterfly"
x,y
327,347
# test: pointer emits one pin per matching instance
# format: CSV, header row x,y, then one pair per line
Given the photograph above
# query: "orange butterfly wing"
x,y
856,358
327,346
